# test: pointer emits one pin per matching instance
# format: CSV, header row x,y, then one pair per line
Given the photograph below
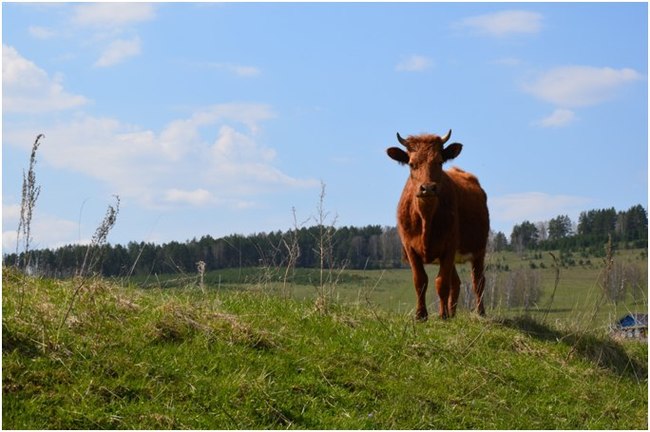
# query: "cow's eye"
x,y
412,165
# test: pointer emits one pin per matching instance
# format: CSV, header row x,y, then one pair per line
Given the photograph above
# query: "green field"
x,y
578,300
116,356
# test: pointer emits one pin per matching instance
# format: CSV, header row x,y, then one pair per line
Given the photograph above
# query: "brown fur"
x,y
442,218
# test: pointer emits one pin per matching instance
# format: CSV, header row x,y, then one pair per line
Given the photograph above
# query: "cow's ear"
x,y
451,151
398,154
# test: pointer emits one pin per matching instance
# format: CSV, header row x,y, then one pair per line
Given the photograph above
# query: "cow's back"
x,y
473,216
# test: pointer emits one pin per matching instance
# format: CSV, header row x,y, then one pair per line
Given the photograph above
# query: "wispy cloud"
x,y
29,89
49,230
118,51
236,69
504,23
578,86
211,157
196,197
10,218
109,24
558,118
111,15
414,63
43,33
534,206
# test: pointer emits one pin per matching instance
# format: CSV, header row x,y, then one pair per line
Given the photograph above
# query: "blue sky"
x,y
220,118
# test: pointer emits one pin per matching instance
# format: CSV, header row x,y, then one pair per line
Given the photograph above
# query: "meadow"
x,y
577,299
91,353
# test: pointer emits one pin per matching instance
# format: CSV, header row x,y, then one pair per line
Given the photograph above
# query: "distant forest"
x,y
319,246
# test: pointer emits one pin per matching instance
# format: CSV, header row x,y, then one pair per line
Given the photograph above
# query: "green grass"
x,y
578,300
128,358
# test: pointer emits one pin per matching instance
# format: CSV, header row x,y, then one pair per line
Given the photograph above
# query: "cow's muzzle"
x,y
428,190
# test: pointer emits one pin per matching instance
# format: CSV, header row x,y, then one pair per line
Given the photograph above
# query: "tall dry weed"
x,y
93,255
93,252
329,271
30,193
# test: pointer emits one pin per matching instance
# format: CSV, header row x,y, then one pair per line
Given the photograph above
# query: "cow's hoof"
x,y
421,317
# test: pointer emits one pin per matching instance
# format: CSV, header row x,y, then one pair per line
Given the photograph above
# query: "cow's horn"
x,y
402,140
446,137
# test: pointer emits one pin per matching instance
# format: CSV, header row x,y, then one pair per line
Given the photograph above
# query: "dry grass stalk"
x,y
200,268
557,282
325,251
100,236
30,193
293,252
98,240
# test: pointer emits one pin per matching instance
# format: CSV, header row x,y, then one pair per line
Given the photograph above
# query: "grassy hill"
x,y
127,358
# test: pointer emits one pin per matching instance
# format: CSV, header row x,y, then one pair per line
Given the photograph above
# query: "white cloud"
x,y
104,149
237,160
28,89
110,15
10,218
577,86
10,214
118,51
43,33
182,134
46,230
9,242
503,23
212,157
414,63
109,21
533,206
558,118
236,69
232,146
244,71
195,197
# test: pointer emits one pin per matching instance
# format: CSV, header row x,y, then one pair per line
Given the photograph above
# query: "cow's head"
x,y
425,155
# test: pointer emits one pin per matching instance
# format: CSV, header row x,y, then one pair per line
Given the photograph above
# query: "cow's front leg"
x,y
420,282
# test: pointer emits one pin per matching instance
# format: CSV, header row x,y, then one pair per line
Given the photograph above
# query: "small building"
x,y
631,327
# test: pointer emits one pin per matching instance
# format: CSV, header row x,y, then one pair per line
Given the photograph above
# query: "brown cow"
x,y
442,218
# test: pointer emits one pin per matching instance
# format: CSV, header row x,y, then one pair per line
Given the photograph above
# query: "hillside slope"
x,y
130,358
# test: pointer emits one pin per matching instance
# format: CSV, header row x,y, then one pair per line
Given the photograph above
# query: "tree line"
x,y
321,246
594,227
368,247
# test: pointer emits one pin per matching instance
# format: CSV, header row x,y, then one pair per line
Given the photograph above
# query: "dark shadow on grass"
x,y
12,341
601,351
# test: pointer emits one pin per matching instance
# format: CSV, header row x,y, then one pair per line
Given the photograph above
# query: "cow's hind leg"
x,y
455,292
443,286
478,280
